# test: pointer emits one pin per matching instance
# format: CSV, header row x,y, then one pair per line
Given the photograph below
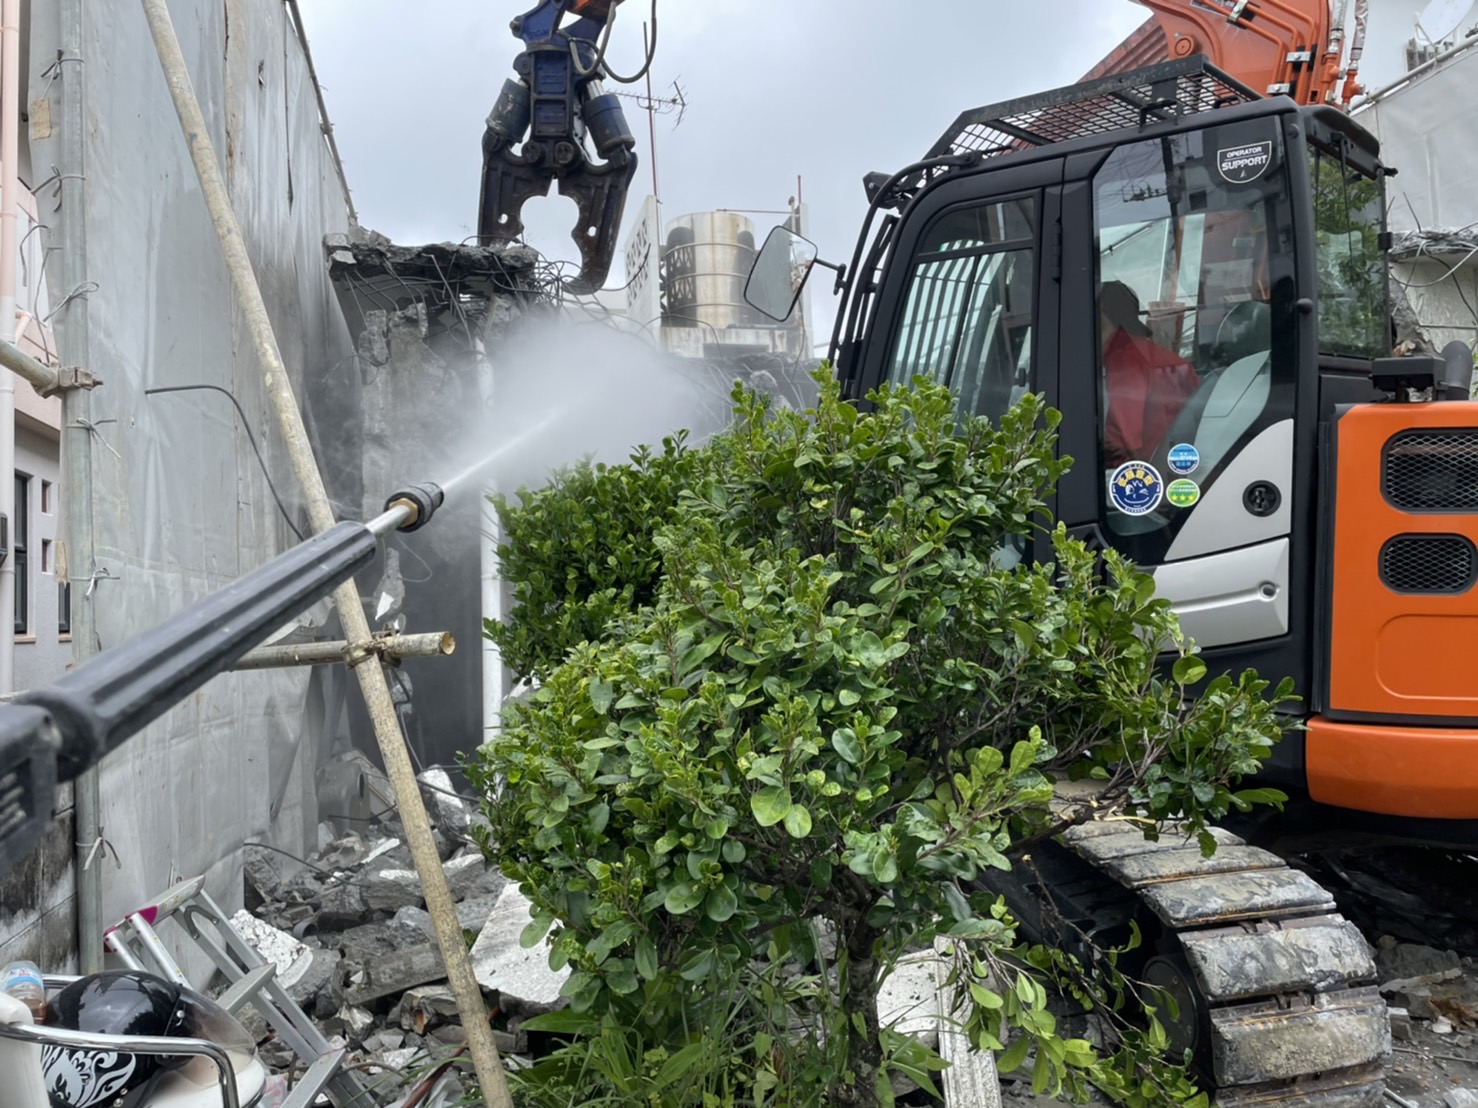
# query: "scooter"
x,y
202,1057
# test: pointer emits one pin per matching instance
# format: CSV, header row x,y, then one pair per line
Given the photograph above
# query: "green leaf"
x,y
798,821
848,697
622,981
700,965
646,957
871,652
1015,1054
536,929
600,696
844,742
1189,670
721,904
770,805
683,898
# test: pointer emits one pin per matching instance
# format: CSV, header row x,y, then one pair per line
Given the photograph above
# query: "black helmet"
x,y
127,1002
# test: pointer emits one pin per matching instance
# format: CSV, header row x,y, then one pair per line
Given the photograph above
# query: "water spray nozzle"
x,y
422,500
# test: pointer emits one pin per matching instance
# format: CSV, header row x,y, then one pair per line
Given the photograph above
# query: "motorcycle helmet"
x,y
127,1002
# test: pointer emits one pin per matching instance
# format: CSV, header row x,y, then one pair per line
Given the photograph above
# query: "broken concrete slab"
x,y
448,809
426,1007
262,877
342,907
971,1079
908,1000
500,963
345,852
470,877
1397,961
310,975
274,945
1460,1098
389,890
398,972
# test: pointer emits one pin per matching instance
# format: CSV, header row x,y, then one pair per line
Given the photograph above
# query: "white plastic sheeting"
x,y
1425,126
180,501
1426,132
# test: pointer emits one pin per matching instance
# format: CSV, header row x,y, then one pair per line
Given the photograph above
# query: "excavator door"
x,y
1157,283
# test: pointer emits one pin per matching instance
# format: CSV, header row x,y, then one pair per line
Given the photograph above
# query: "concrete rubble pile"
x,y
355,948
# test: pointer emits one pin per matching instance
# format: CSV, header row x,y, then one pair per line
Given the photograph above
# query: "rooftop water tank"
x,y
706,262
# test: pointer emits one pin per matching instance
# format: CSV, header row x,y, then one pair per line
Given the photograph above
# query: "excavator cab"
x,y
1195,275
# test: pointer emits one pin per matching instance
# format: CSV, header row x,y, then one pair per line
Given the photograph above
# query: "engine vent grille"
x,y
1432,471
1432,564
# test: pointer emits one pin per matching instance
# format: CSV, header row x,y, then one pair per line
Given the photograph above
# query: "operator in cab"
x,y
1146,385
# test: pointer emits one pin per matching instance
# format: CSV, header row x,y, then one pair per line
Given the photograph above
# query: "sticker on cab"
x,y
1184,459
1136,488
1183,493
1241,165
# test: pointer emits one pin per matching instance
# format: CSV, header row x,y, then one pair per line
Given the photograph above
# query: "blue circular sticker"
x,y
1136,488
1184,459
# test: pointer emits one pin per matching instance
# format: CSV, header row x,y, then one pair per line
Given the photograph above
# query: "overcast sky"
x,y
776,89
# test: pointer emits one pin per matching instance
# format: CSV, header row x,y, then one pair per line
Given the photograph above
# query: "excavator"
x,y
1188,260
1185,253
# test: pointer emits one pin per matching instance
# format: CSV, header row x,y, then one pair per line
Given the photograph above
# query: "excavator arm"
x,y
556,103
1278,47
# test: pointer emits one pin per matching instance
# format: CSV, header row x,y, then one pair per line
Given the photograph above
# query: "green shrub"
x,y
575,556
835,702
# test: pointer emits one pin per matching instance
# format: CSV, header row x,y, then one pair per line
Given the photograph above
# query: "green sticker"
x,y
1183,493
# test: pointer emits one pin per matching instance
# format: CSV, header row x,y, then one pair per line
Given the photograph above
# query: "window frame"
x,y
958,328
20,532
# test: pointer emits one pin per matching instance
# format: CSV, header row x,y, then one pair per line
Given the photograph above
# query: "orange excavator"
x,y
1185,254
1293,48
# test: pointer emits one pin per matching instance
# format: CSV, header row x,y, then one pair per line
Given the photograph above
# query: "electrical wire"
x,y
245,426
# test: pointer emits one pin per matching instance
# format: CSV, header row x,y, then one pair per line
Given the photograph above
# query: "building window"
x,y
19,536
46,556
47,508
64,609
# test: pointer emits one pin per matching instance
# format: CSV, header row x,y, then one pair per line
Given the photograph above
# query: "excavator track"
x,y
1282,987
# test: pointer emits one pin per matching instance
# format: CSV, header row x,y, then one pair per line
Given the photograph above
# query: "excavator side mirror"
x,y
780,272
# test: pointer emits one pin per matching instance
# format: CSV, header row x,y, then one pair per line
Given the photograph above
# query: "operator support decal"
x,y
1241,165
1136,488
1183,493
1183,459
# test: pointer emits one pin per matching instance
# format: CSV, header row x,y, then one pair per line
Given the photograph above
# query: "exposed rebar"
x,y
393,750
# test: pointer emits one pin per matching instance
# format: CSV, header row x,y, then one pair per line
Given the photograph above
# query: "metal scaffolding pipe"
x,y
40,377
390,647
76,552
491,1079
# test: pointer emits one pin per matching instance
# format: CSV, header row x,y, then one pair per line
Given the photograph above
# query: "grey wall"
x,y
180,502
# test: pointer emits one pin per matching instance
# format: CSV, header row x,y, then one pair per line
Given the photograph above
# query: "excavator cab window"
x,y
1194,233
968,321
1349,220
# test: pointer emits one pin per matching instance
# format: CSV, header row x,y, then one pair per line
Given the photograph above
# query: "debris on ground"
x,y
353,944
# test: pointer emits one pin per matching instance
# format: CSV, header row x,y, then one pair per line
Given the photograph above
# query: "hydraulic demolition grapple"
x,y
557,102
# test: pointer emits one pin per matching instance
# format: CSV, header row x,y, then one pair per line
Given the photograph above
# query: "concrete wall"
x,y
180,502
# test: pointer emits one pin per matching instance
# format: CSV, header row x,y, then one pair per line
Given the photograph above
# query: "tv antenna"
x,y
655,106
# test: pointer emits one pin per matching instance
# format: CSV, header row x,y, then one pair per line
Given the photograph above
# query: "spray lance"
x,y
51,735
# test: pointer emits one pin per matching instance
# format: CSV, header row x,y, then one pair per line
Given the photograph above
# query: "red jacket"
x,y
1147,387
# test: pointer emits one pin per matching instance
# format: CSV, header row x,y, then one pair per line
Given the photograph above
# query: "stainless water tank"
x,y
706,262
